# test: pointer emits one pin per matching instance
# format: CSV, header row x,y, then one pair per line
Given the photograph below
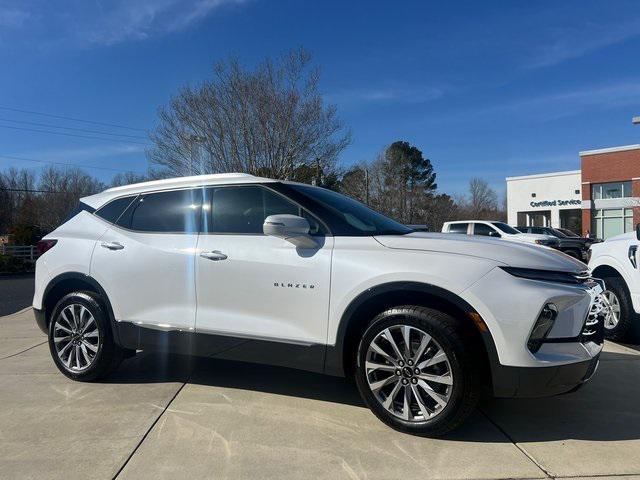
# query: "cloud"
x,y
582,40
552,106
362,96
103,23
96,152
13,17
142,19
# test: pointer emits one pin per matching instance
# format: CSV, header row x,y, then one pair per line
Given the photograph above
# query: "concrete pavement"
x,y
176,417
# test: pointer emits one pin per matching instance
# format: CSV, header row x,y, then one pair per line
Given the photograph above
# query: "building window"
x,y
611,190
610,222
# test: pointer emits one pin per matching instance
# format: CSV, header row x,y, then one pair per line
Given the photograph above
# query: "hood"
x,y
513,254
536,236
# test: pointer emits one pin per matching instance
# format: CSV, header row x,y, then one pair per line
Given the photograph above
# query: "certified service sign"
x,y
555,203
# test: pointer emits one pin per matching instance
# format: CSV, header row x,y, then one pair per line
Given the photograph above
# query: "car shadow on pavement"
x,y
605,409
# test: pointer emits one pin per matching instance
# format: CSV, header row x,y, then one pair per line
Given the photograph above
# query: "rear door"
x,y
145,260
255,286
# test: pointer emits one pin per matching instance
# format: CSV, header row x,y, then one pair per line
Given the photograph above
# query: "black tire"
x,y
108,355
622,330
462,354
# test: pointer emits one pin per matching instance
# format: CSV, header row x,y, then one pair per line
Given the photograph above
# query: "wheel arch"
x,y
358,314
605,270
68,282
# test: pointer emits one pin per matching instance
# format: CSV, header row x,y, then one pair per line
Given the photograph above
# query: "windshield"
x,y
557,233
357,215
505,228
568,233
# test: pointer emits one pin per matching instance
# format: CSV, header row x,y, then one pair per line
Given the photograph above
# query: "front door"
x,y
145,262
256,286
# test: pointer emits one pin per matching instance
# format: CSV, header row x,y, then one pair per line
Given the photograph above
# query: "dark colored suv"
x,y
577,247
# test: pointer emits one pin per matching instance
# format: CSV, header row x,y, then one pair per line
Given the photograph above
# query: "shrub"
x,y
9,264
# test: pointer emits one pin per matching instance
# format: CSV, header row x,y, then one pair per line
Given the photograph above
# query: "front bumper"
x,y
532,382
570,352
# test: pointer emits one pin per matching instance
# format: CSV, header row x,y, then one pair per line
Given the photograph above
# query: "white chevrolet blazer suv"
x,y
238,267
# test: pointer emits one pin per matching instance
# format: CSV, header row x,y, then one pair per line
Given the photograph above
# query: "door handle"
x,y
216,255
112,245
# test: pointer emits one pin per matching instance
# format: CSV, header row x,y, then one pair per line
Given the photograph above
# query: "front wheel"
x,y
617,323
80,338
416,371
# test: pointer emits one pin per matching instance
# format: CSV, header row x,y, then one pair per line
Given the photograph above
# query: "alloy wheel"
x,y
76,337
613,316
409,373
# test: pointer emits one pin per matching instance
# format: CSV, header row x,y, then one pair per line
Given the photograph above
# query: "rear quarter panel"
x,y
76,241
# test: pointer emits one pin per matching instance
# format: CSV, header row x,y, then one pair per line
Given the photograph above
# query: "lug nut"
x,y
410,362
401,363
405,381
417,371
398,372
414,380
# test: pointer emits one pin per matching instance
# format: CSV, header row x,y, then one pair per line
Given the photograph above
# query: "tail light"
x,y
45,245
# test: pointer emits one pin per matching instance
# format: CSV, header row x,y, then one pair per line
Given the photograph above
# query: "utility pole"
x,y
366,185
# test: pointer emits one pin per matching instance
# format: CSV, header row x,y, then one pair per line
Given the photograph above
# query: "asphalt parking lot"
x,y
16,292
176,417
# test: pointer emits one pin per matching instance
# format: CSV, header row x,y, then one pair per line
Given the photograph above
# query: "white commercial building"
x,y
545,200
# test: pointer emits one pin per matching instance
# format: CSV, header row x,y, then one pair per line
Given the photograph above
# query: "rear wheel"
x,y
618,321
80,338
416,371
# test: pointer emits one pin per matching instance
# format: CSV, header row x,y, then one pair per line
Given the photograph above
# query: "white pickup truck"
x,y
616,262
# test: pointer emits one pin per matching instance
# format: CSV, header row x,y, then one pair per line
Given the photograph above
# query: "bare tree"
x,y
355,182
16,187
269,121
127,178
62,188
482,198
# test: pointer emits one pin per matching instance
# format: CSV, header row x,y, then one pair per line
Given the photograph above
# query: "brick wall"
x,y
609,167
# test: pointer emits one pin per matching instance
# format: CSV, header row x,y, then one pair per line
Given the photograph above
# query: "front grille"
x,y
593,328
582,277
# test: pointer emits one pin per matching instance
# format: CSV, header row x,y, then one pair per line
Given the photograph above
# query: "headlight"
x,y
543,326
547,275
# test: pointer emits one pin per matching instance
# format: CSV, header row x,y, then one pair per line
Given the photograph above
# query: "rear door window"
x,y
458,227
175,211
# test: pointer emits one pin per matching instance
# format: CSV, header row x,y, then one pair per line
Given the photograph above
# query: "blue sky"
x,y
488,89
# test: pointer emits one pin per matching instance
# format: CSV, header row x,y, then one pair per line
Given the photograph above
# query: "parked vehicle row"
x,y
497,229
240,267
568,242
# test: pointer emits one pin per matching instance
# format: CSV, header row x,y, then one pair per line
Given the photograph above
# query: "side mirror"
x,y
638,231
494,234
291,228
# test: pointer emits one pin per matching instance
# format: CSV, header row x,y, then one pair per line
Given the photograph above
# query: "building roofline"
x,y
622,148
542,175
